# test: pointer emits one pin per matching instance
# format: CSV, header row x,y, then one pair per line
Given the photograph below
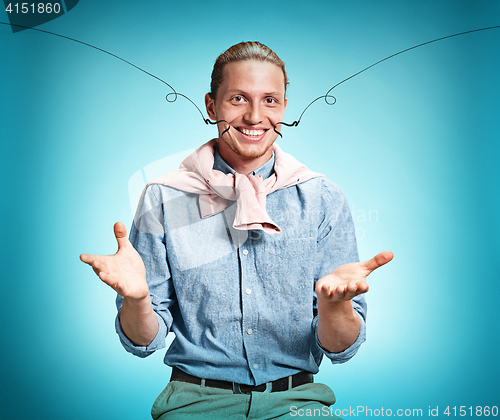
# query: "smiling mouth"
x,y
251,133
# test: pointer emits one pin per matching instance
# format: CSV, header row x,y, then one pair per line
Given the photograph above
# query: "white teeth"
x,y
255,133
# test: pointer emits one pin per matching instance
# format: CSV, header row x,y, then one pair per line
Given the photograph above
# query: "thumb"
x,y
378,260
121,235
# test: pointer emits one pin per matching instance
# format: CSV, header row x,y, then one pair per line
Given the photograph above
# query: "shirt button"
x,y
245,252
249,331
255,366
248,291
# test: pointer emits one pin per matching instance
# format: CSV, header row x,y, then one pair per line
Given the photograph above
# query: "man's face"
x,y
252,100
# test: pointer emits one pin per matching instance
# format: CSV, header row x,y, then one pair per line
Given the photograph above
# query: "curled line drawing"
x,y
327,95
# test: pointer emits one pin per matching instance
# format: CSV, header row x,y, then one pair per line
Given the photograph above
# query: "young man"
x,y
247,256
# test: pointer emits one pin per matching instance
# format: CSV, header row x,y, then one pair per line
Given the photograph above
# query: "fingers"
x,y
121,237
107,278
324,291
353,289
98,265
343,291
121,234
87,259
100,269
378,260
91,259
104,273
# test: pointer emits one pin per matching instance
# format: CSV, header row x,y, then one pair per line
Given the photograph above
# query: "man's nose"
x,y
253,114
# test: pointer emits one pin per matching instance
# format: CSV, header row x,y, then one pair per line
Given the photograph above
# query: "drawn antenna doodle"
x,y
329,99
327,96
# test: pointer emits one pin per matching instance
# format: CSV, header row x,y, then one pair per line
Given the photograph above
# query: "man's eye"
x,y
271,100
237,98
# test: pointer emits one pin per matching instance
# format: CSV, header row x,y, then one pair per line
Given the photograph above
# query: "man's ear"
x,y
286,102
210,105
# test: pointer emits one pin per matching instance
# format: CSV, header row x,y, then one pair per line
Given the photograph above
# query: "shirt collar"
x,y
265,171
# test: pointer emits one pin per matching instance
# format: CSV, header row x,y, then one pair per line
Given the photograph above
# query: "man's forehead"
x,y
252,67
255,75
247,89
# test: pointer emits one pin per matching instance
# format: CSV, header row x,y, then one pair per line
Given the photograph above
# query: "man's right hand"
x,y
123,271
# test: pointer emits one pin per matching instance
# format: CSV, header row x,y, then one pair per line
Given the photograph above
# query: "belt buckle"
x,y
237,390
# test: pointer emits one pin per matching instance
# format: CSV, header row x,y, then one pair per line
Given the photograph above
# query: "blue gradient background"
x,y
413,140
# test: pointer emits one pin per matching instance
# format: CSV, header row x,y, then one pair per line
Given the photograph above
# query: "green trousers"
x,y
184,401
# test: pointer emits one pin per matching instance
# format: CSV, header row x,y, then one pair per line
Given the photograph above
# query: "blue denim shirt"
x,y
242,303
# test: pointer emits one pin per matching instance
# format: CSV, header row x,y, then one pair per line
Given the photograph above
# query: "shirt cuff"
x,y
349,352
143,351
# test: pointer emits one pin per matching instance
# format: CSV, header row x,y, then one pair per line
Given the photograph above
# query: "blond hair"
x,y
251,50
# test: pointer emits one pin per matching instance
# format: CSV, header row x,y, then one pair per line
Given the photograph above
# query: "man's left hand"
x,y
349,280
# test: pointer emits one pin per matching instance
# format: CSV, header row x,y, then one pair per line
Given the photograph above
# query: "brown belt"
x,y
283,384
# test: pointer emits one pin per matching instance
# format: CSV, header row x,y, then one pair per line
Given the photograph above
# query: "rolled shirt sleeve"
x,y
344,356
143,351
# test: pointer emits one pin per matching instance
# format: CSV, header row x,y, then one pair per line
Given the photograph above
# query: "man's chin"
x,y
251,152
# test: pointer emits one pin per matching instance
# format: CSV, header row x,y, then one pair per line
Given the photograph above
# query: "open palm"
x,y
349,280
123,271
